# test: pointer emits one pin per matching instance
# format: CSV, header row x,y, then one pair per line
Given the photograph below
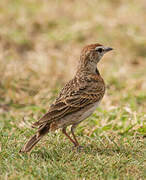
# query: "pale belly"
x,y
88,112
78,116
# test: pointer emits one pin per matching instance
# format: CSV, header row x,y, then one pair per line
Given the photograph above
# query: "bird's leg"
x,y
64,132
76,142
72,131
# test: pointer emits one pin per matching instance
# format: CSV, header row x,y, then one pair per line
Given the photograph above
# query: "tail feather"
x,y
35,139
31,143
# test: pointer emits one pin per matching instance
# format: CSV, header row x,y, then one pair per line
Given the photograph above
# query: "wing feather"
x,y
73,97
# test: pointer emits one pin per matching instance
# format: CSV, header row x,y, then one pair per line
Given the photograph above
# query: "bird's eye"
x,y
100,50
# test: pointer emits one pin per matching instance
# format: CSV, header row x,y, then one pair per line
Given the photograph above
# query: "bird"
x,y
76,101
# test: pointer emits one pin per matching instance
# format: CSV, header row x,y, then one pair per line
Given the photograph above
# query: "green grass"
x,y
113,149
40,46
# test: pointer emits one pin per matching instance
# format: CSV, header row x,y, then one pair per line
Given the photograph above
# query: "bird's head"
x,y
91,55
94,52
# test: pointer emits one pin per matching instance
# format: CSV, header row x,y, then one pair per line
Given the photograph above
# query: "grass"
x,y
39,50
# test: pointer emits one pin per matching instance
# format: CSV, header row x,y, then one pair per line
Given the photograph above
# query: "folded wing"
x,y
73,97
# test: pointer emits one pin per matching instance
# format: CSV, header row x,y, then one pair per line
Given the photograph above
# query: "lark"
x,y
77,100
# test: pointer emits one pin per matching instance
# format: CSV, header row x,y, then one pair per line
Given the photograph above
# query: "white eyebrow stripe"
x,y
99,47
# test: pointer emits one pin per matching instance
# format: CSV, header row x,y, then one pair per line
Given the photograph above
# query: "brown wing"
x,y
74,96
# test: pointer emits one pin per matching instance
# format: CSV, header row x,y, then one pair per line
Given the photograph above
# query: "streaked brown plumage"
x,y
77,100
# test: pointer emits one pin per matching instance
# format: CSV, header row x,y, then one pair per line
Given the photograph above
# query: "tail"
x,y
35,139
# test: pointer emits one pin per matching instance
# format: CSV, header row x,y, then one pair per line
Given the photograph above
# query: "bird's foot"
x,y
78,148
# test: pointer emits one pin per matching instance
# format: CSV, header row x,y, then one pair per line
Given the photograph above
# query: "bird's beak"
x,y
108,49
